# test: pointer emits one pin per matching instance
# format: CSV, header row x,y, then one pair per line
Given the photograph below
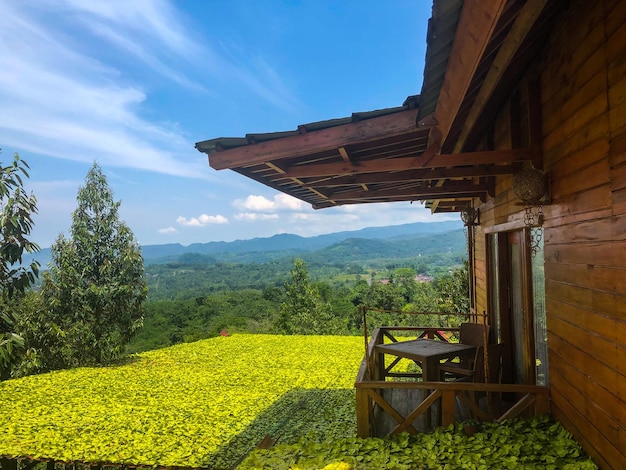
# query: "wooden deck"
x,y
390,402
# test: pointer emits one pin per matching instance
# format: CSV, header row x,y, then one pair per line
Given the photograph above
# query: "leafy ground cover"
x,y
203,404
537,443
208,404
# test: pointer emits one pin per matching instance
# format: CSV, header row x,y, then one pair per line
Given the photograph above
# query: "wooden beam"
x,y
344,154
534,123
526,18
451,187
492,157
365,199
413,194
477,23
330,138
423,407
526,401
275,168
422,174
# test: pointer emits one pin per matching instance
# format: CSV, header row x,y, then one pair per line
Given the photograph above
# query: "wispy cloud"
x,y
75,81
255,216
167,231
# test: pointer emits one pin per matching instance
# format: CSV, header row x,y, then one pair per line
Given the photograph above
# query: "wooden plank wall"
x,y
583,85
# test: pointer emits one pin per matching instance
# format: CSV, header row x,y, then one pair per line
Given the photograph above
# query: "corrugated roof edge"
x,y
225,143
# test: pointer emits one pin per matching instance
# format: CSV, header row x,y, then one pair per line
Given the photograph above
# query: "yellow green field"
x,y
199,404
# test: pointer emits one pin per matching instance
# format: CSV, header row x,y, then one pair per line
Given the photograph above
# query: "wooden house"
x,y
520,126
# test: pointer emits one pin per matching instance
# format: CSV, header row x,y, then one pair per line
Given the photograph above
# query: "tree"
x,y
404,279
453,290
16,210
303,310
95,288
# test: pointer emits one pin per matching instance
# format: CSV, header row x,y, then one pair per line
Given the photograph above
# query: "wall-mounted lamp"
x,y
530,186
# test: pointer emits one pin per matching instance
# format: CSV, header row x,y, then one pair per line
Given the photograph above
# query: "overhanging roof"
x,y
418,151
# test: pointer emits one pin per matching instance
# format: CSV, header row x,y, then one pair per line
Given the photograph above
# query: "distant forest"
x,y
194,295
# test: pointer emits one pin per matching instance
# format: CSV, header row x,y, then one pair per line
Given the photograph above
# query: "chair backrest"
x,y
494,361
473,334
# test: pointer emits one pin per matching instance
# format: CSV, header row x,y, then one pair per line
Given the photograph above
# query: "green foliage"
x,y
94,290
187,276
169,322
20,309
11,343
199,313
204,404
16,210
304,310
535,443
453,291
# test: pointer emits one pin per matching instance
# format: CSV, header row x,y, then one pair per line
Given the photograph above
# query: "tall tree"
x,y
16,210
95,288
303,310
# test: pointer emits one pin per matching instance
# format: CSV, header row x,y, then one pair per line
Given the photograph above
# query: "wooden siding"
x,y
583,82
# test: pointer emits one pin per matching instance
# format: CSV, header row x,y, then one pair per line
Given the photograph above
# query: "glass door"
x,y
517,306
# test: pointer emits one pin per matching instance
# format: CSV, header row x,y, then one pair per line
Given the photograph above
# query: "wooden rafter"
x,y
526,18
476,26
451,189
423,174
344,154
494,157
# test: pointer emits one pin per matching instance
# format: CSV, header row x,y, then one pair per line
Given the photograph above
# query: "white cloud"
x,y
202,220
254,203
284,201
255,216
280,202
167,231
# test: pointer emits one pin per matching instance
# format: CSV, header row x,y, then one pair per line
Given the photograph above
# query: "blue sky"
x,y
134,84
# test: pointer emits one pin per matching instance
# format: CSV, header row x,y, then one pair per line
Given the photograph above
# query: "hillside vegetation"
x,y
196,274
196,296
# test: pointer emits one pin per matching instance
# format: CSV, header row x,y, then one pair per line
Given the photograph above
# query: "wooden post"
x,y
362,413
447,407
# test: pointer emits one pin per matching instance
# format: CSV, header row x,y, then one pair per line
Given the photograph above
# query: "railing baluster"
x,y
448,405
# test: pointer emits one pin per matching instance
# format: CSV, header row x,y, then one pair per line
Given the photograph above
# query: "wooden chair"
x,y
473,370
474,334
478,373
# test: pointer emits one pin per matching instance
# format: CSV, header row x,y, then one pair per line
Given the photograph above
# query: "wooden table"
x,y
427,352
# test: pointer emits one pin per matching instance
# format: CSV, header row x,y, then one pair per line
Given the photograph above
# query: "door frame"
x,y
498,243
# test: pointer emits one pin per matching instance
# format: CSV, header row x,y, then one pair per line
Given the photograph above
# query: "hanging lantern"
x,y
470,216
529,185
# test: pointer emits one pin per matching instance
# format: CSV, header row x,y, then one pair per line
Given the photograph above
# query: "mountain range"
x,y
281,245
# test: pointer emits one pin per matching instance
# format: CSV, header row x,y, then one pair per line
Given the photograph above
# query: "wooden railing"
x,y
386,407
